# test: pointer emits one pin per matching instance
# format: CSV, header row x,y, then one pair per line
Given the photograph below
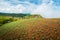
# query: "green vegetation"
x,y
6,17
14,14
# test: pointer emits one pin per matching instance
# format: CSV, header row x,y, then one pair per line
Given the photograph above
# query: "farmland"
x,y
31,29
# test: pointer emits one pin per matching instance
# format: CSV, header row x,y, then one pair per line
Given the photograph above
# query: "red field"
x,y
38,29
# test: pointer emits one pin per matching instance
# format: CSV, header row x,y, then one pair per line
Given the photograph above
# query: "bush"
x,y
4,20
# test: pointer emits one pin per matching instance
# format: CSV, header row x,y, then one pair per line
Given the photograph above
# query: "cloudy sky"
x,y
46,8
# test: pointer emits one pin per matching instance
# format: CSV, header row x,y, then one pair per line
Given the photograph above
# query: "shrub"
x,y
4,20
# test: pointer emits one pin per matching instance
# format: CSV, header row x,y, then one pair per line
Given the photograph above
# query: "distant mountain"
x,y
14,14
21,15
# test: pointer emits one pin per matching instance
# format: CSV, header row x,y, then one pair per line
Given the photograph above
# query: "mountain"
x,y
14,14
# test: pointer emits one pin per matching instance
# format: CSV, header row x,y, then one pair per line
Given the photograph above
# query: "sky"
x,y
46,8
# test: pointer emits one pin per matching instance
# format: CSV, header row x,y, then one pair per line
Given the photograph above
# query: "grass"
x,y
31,29
7,27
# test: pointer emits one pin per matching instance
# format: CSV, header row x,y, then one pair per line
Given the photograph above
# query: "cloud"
x,y
47,8
23,7
8,7
44,9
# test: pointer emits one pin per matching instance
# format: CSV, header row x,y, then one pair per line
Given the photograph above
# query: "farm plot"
x,y
32,29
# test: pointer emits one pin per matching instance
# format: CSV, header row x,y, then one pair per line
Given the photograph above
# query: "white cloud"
x,y
44,9
7,7
47,10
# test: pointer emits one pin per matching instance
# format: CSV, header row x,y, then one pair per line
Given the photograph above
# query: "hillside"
x,y
14,14
10,17
31,29
19,15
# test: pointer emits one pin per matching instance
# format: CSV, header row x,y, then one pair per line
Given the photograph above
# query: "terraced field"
x,y
31,29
